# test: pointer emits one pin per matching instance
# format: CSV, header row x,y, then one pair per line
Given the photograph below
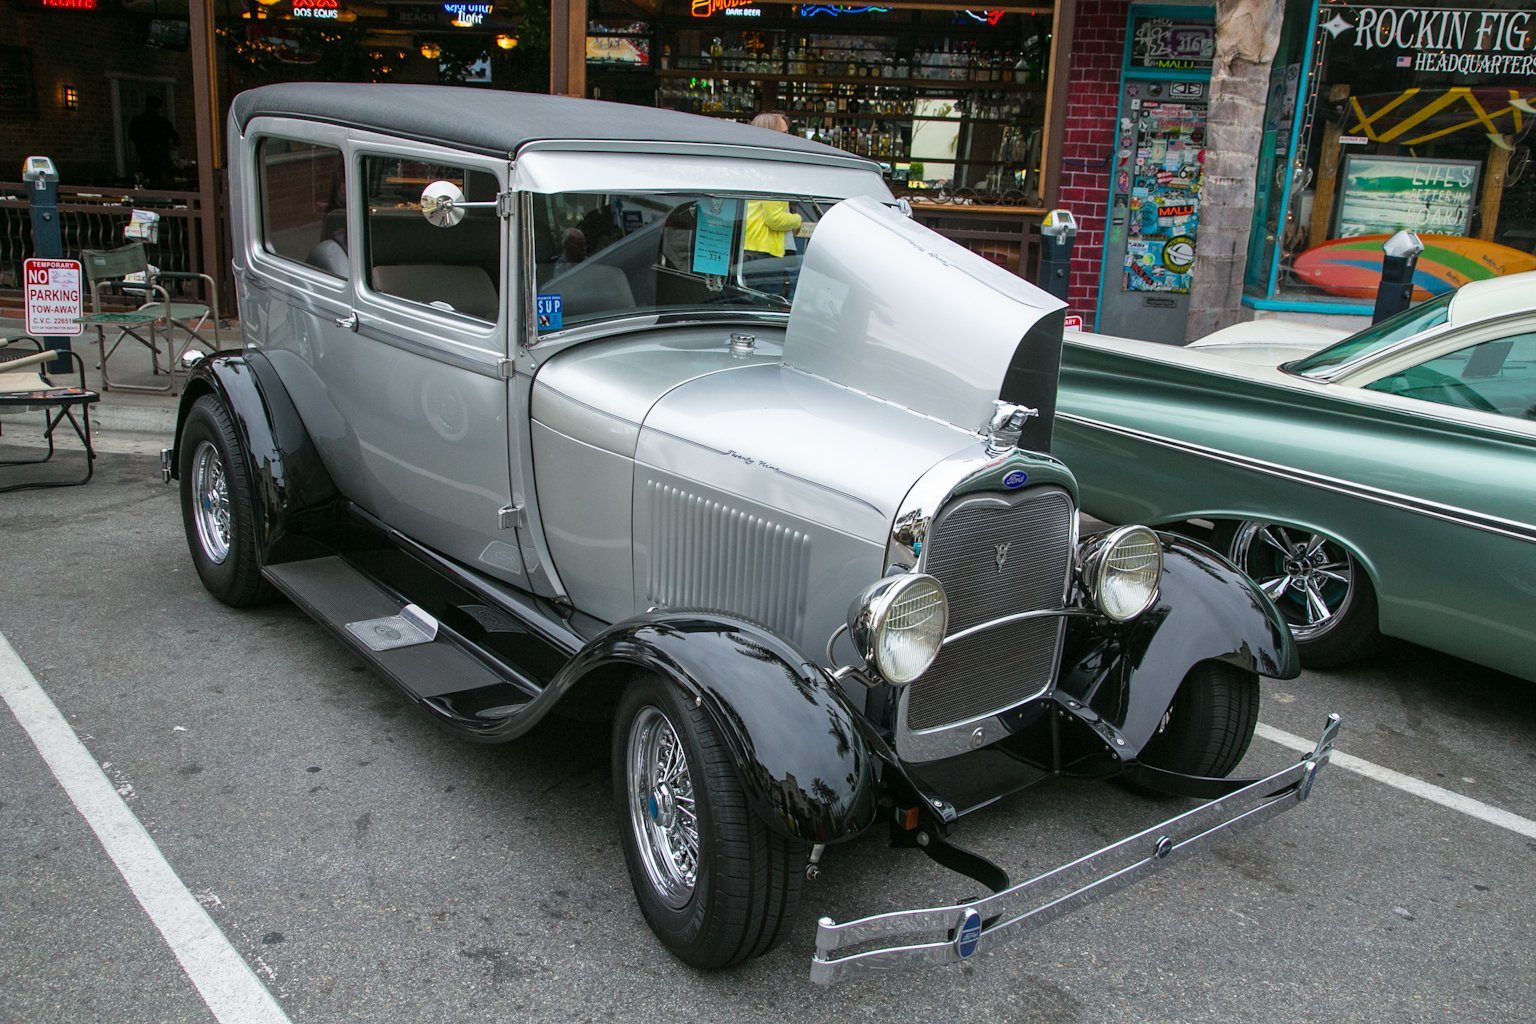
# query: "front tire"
x,y
218,506
1209,724
1319,588
713,882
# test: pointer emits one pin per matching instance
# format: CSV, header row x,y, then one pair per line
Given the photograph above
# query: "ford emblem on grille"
x,y
1015,479
1001,551
968,935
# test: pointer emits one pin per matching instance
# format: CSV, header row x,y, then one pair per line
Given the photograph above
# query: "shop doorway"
x,y
129,94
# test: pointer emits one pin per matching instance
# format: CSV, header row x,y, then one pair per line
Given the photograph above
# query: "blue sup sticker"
x,y
1015,479
549,310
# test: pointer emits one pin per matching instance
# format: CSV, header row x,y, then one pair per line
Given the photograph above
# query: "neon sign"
x,y
70,5
704,8
467,15
989,17
834,10
328,9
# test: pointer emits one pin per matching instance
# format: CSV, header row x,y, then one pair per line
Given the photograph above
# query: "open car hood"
x,y
886,307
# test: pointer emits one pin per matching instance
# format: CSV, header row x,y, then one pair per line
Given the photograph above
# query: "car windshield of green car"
x,y
606,256
1413,320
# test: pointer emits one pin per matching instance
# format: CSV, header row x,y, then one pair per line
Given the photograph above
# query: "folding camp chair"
x,y
127,272
25,387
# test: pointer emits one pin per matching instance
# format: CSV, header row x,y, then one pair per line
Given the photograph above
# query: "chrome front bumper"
x,y
947,935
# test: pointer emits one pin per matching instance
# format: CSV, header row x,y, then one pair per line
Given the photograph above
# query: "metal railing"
x,y
94,218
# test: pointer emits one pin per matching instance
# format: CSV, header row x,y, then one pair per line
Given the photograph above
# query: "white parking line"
x,y
1407,783
226,983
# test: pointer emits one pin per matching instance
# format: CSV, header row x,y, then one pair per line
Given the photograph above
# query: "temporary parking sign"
x,y
53,297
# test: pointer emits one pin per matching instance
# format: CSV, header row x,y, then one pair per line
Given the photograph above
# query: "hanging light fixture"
x,y
431,50
506,42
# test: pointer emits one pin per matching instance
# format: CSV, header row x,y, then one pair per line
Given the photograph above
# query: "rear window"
x,y
303,203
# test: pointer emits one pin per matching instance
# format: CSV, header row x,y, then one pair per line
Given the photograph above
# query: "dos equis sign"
x,y
1469,41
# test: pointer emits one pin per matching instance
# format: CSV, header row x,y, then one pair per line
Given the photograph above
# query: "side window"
x,y
1497,376
453,269
303,203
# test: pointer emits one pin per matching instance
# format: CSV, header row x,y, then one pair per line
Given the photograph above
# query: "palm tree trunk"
x,y
1247,35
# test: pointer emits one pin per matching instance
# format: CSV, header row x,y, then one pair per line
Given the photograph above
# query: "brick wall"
x,y
83,49
1098,42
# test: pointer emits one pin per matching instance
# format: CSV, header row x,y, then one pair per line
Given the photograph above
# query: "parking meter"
x,y
1395,293
43,194
47,242
1057,232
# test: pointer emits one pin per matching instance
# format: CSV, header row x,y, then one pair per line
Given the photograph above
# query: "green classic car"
x,y
1380,483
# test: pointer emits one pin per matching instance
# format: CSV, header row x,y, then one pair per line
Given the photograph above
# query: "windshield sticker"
x,y
549,312
713,234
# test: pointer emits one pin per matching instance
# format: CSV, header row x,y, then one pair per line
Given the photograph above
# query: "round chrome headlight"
x,y
898,625
1122,572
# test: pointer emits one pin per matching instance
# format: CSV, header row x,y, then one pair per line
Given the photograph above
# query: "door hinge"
x,y
504,204
510,517
505,368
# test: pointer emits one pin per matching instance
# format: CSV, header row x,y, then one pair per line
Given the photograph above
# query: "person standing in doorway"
x,y
153,137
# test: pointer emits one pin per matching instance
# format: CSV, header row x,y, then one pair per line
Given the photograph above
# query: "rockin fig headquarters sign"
x,y
52,292
1465,40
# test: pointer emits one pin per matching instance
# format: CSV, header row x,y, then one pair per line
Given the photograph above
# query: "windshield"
x,y
604,256
1430,313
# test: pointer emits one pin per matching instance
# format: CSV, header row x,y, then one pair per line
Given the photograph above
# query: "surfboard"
x,y
1351,267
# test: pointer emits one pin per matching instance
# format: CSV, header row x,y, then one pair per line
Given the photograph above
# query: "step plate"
x,y
336,594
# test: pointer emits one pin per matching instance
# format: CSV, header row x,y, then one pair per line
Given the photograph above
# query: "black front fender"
x,y
292,484
805,768
1205,611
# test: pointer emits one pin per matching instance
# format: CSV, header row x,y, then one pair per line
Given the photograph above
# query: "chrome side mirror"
x,y
442,203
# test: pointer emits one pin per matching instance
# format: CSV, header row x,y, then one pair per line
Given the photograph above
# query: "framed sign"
x,y
1383,194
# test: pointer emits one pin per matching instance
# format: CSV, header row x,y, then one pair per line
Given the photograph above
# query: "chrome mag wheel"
x,y
1311,579
210,490
662,811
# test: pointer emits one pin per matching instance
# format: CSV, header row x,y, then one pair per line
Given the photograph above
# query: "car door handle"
x,y
349,322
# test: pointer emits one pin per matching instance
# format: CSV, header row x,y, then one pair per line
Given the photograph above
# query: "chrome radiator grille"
x,y
995,557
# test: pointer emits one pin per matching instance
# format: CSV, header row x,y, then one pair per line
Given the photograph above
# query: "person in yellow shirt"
x,y
768,220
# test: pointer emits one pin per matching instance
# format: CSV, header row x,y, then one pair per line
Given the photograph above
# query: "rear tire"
x,y
1209,724
218,506
713,882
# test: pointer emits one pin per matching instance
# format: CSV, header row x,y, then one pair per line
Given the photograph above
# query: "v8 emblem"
x,y
1002,555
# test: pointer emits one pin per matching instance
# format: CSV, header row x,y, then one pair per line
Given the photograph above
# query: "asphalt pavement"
x,y
360,865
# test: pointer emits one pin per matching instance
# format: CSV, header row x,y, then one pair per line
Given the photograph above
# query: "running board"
x,y
404,644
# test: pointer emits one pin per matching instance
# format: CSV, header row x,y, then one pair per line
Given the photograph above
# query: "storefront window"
x,y
945,99
1416,116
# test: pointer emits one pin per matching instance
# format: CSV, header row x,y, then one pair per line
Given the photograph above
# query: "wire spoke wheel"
x,y
211,492
715,884
661,807
219,507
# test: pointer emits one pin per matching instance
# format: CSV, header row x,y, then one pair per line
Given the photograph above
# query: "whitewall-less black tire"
x,y
713,882
218,508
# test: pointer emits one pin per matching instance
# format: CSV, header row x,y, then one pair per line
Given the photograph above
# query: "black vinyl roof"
x,y
500,122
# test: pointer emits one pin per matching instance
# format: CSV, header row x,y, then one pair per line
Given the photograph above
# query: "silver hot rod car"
x,y
524,421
